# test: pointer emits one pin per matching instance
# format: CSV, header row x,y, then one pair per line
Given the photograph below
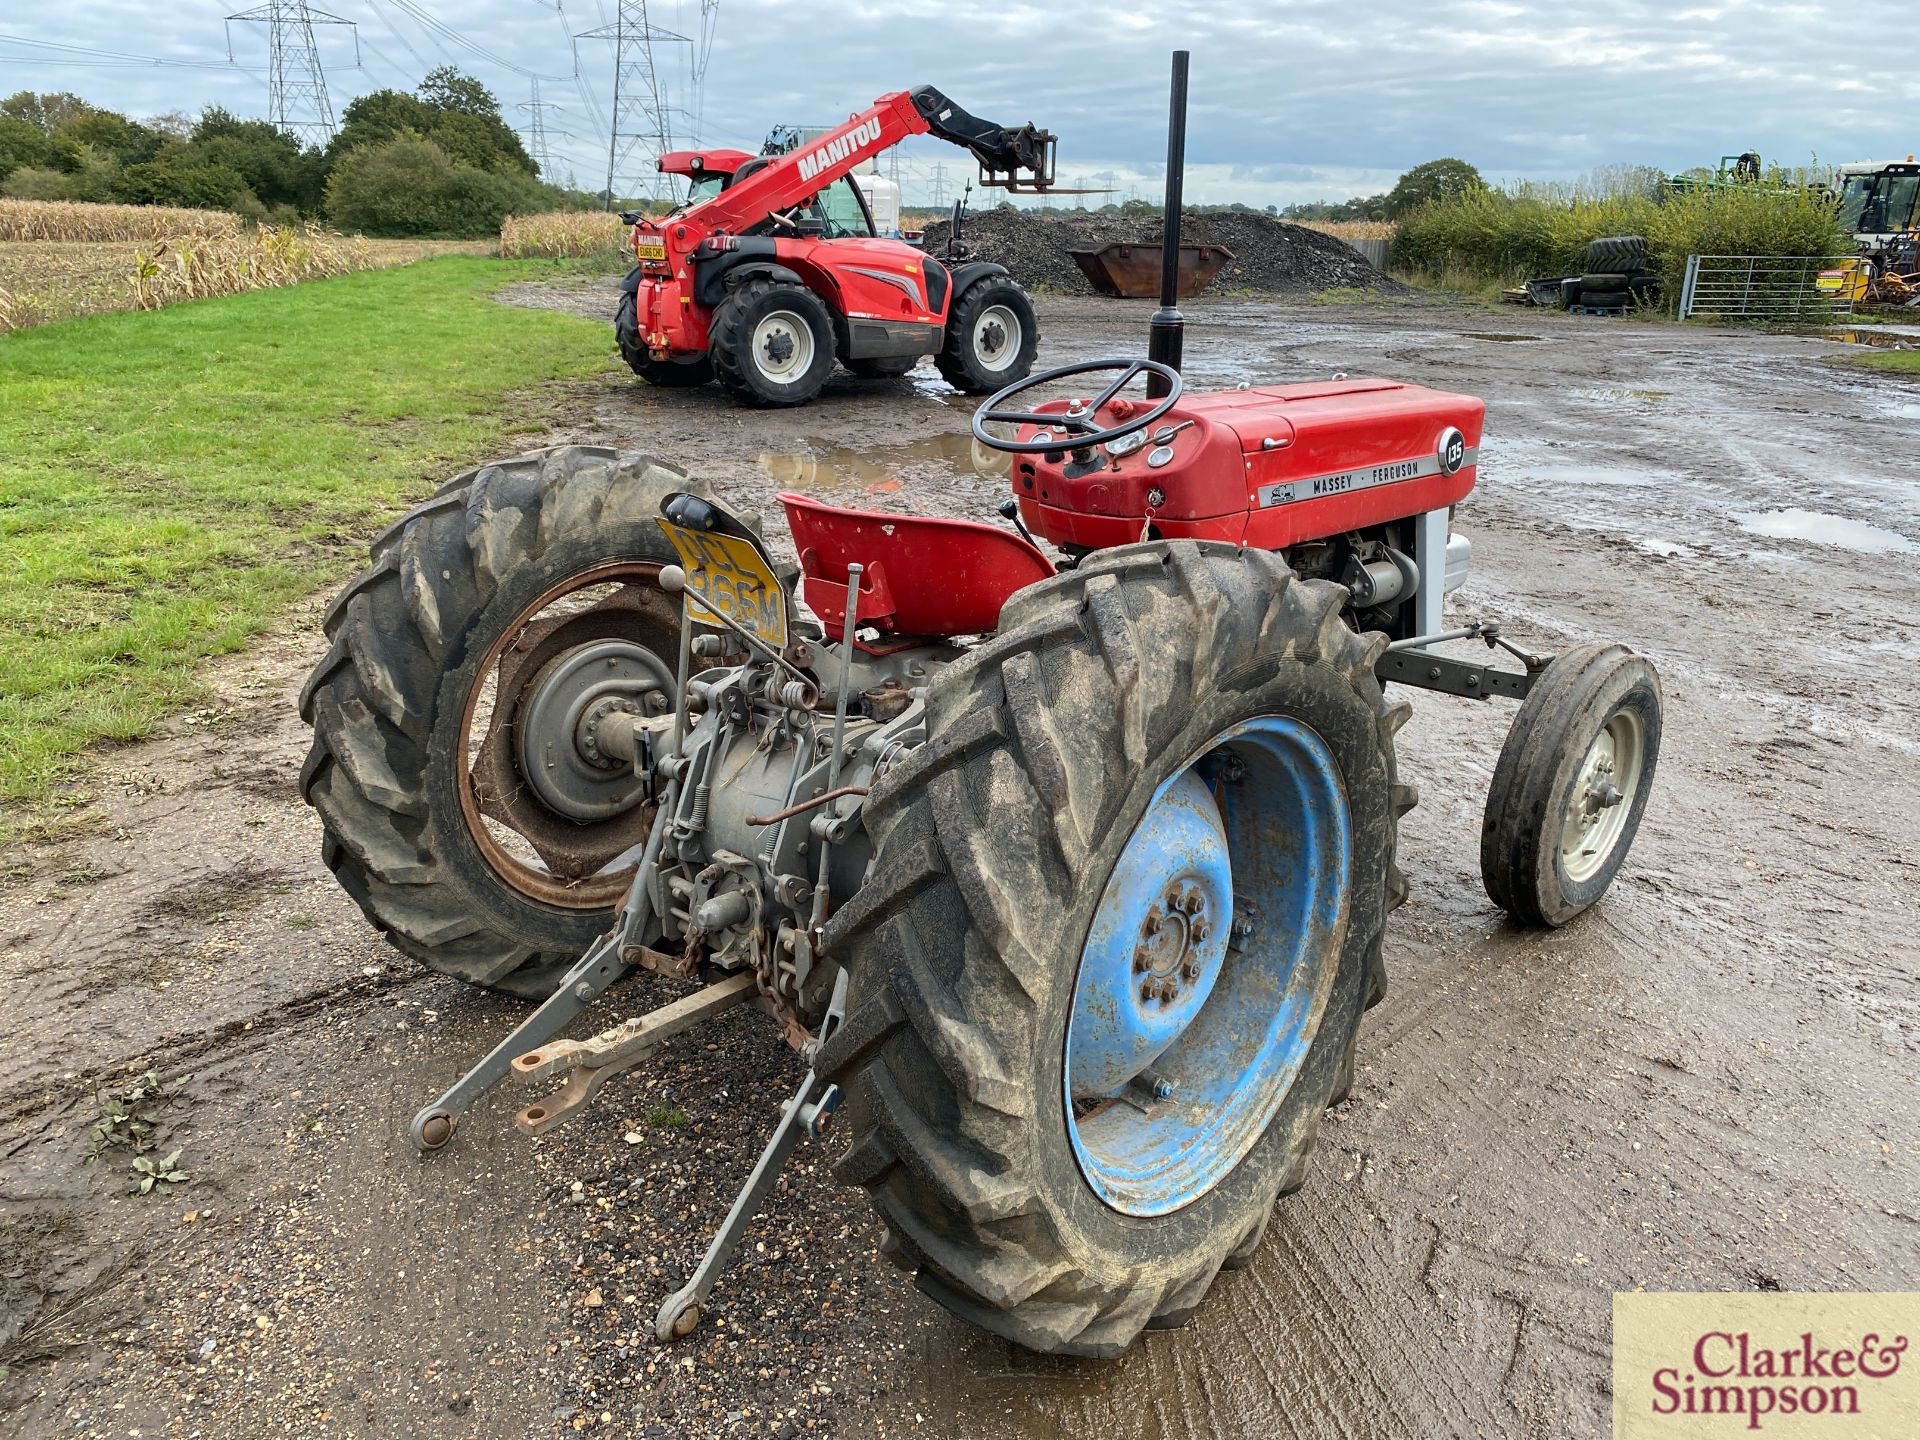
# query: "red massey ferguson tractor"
x,y
1064,865
771,271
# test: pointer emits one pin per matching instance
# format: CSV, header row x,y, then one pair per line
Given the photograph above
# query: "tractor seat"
x,y
921,575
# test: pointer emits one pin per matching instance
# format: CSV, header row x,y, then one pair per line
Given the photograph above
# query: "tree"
x,y
454,111
23,145
268,158
448,89
1443,179
31,182
410,186
46,113
177,177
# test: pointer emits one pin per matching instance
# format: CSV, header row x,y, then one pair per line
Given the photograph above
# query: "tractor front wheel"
x,y
1571,784
1125,913
992,336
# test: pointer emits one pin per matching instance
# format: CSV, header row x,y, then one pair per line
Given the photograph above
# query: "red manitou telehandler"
x,y
771,271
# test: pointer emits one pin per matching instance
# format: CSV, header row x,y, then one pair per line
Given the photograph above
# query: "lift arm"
x,y
1020,158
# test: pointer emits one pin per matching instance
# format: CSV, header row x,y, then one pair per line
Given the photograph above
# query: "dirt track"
x,y
1707,1083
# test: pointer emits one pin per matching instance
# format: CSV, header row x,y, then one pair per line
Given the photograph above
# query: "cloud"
x,y
1308,99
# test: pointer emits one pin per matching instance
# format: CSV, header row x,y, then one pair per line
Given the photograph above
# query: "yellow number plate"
x,y
727,576
649,247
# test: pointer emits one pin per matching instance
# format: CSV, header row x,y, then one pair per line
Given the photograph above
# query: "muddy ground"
x,y
1709,1082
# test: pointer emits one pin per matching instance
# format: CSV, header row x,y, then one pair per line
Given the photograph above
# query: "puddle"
x,y
881,469
1583,476
1617,395
1910,410
1879,339
1500,339
1665,549
1824,529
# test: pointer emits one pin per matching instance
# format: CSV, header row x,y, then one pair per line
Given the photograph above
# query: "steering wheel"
x,y
1078,421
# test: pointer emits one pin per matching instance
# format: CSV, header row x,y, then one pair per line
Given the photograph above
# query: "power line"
x,y
394,30
420,13
296,84
115,56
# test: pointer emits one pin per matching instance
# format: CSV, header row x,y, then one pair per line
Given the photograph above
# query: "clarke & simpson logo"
x,y
1783,1365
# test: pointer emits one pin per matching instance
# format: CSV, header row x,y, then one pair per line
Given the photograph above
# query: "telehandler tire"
x,y
668,374
992,336
1125,913
492,618
772,343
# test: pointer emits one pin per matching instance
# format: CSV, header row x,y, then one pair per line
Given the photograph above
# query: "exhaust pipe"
x,y
1169,326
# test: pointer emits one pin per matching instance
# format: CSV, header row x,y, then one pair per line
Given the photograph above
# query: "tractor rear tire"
x,y
1592,696
992,336
411,639
772,344
993,842
887,367
668,374
1622,253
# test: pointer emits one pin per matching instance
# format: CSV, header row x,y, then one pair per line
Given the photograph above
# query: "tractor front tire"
x,y
772,344
1571,784
668,374
454,589
991,338
997,849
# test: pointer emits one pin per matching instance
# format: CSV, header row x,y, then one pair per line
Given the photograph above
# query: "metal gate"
x,y
1765,287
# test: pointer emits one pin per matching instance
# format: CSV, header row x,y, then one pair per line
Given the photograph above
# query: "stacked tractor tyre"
x,y
1616,278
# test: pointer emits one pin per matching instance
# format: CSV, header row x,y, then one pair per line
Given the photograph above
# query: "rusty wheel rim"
x,y
536,851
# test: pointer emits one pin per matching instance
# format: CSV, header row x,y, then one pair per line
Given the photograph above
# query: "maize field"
x,y
64,221
1351,229
50,268
563,235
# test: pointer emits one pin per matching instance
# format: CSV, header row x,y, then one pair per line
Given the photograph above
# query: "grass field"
x,y
169,480
1888,362
44,281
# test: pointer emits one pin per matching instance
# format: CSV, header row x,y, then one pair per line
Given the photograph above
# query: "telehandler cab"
x,y
1067,874
771,271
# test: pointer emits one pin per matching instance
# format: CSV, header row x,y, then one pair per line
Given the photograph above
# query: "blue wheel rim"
x,y
1206,970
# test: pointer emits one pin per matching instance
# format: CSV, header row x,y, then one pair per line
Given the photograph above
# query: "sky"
x,y
1315,99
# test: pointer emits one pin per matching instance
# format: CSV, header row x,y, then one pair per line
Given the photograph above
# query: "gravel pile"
x,y
1269,255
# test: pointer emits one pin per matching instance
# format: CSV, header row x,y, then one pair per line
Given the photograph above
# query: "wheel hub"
x,y
1169,954
1596,815
558,724
782,346
1179,1051
1148,971
996,337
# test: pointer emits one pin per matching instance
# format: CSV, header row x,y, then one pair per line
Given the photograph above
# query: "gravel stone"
x,y
1272,256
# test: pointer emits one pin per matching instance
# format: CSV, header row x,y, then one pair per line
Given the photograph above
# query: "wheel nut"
x,y
1140,960
1148,990
1199,929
